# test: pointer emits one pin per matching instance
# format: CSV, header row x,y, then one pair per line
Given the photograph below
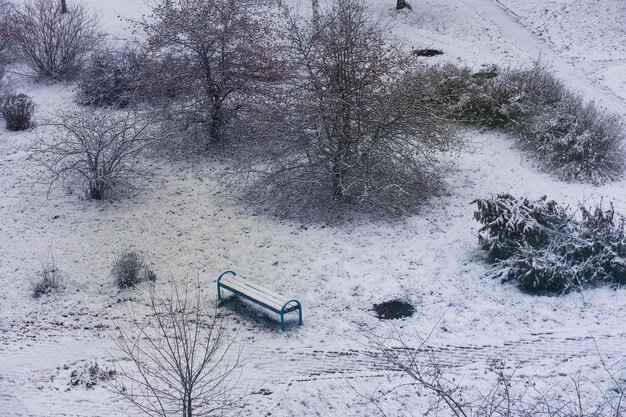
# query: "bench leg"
x,y
300,312
282,322
219,292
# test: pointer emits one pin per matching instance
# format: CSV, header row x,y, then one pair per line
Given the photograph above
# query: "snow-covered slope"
x,y
338,272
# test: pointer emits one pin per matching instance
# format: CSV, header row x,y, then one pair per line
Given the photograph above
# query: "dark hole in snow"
x,y
394,309
428,52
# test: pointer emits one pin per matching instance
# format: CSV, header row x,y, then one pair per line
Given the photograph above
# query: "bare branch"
x,y
54,43
98,148
180,360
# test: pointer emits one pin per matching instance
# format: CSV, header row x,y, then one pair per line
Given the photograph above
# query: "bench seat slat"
x,y
263,295
247,286
269,302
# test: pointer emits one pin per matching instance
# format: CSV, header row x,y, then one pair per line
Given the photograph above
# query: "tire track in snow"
x,y
308,364
25,374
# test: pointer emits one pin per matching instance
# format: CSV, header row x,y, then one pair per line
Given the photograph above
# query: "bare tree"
x,y
97,147
359,120
64,6
54,43
5,42
5,9
219,51
178,363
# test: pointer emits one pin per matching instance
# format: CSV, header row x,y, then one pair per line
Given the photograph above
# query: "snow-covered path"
x,y
509,25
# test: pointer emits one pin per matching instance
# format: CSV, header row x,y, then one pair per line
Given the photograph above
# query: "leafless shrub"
x,y
180,362
130,268
50,278
98,148
217,53
17,112
55,44
358,123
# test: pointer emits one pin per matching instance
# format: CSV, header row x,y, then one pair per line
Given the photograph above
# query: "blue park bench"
x,y
258,295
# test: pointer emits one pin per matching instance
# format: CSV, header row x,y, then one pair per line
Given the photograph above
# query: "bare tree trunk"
x,y
339,167
316,14
64,6
402,4
215,124
336,173
187,404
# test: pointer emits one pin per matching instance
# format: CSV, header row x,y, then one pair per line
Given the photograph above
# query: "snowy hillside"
x,y
186,226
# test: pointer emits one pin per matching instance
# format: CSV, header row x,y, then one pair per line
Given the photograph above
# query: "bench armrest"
x,y
224,273
296,307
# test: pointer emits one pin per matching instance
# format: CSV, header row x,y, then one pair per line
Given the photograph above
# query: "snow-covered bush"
x,y
576,141
17,112
96,147
509,223
111,78
546,248
90,374
130,268
54,43
451,84
509,98
483,103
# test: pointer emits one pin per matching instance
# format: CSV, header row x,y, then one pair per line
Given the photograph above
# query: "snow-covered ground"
x,y
431,259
